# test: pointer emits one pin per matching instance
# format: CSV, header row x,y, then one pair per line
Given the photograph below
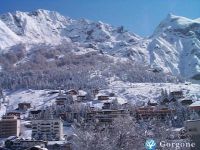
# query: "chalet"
x,y
14,113
106,105
152,103
81,98
60,102
24,106
151,112
61,99
195,106
105,116
186,102
177,94
34,114
82,93
103,97
125,105
72,92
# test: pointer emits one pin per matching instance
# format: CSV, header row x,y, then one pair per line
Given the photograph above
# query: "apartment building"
x,y
15,143
9,126
47,129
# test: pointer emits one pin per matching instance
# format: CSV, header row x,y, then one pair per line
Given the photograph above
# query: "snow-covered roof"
x,y
39,147
184,99
195,104
152,101
121,100
56,142
82,93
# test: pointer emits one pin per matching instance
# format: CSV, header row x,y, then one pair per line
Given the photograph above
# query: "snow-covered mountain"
x,y
174,47
50,28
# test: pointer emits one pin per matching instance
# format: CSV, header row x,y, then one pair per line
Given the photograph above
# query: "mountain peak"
x,y
173,22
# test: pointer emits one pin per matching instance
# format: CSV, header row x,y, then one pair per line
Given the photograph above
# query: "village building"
x,y
47,129
195,109
177,94
34,114
24,106
59,145
72,92
81,98
106,105
63,99
9,126
14,113
195,106
193,129
185,102
152,103
60,100
103,97
105,116
151,112
15,143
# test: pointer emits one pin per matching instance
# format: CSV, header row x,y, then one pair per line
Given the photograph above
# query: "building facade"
x,y
21,144
47,129
9,126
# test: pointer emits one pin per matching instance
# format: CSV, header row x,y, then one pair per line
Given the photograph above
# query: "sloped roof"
x,y
195,104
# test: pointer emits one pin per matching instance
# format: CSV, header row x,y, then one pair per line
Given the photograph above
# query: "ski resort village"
x,y
57,119
69,84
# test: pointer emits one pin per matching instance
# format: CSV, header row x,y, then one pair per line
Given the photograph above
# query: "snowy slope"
x,y
135,92
7,37
125,92
38,98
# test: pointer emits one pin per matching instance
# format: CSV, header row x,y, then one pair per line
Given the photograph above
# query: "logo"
x,y
150,144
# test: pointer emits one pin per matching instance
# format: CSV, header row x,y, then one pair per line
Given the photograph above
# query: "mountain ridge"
x,y
173,48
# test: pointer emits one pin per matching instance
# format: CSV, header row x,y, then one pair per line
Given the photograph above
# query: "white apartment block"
x,y
47,129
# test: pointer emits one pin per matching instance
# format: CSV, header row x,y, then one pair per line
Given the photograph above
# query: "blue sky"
x,y
138,16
